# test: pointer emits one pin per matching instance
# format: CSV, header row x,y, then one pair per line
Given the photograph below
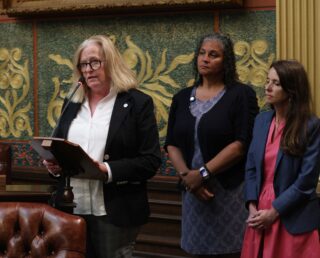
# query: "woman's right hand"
x,y
203,194
53,167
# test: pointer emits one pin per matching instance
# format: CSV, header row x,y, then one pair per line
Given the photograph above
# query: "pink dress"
x,y
276,242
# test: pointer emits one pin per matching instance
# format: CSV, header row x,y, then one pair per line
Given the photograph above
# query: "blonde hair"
x,y
122,77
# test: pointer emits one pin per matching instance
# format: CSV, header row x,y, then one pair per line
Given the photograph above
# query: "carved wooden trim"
x,y
2,11
37,7
5,162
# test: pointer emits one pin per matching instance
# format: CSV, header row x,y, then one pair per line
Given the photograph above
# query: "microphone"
x,y
80,82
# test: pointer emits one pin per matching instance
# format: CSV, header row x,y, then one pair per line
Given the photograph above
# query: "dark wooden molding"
x,y
31,175
5,162
25,8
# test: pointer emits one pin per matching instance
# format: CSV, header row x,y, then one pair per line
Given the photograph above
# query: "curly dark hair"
x,y
229,60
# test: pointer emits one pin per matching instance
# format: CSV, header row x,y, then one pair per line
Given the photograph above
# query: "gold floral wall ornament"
x,y
154,82
252,67
14,88
56,100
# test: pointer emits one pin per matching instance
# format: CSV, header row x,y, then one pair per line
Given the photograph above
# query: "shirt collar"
x,y
112,94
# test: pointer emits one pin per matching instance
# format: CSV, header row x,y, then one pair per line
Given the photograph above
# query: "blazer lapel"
x,y
265,125
279,157
66,120
121,108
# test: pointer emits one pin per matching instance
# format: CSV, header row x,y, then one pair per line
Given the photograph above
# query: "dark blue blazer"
x,y
295,179
132,152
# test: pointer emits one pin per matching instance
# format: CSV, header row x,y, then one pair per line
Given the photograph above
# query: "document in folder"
x,y
70,156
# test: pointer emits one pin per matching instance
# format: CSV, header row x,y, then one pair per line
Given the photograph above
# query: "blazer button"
x,y
106,156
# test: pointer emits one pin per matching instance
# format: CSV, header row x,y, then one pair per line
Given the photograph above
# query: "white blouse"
x,y
91,132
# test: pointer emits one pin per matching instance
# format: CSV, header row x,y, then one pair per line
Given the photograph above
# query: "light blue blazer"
x,y
295,179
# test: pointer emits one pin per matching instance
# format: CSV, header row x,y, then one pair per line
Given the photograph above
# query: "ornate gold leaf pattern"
x,y
14,88
155,83
251,67
56,100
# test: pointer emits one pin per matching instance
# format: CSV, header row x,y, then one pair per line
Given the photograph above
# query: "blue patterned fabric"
x,y
197,109
216,226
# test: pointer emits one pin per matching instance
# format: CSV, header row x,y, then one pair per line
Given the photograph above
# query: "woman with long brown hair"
x,y
282,170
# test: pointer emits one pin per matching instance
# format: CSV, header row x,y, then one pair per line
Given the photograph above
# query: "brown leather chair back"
x,y
37,230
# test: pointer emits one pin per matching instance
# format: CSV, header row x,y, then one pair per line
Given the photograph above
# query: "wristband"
x,y
204,173
205,166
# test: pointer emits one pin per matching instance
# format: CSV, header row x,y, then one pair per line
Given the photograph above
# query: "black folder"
x,y
70,156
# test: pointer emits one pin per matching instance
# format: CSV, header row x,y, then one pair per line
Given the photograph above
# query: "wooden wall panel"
x,y
298,37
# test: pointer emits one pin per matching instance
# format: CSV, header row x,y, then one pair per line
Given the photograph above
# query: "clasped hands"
x,y
261,219
193,182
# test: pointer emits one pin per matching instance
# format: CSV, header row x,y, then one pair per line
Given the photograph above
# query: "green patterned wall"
x,y
16,80
158,48
255,45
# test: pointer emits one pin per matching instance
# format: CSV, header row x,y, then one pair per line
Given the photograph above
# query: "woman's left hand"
x,y
53,167
263,218
102,167
192,180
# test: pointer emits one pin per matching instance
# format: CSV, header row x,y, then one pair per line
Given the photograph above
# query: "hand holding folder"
x,y
73,160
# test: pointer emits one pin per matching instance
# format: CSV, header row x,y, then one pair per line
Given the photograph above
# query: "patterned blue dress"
x,y
215,226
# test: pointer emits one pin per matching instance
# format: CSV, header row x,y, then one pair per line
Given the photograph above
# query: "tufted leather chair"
x,y
36,230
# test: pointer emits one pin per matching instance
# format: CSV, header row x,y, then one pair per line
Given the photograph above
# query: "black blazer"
x,y
132,152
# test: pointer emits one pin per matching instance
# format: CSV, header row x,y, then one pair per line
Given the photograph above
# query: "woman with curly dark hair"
x,y
209,129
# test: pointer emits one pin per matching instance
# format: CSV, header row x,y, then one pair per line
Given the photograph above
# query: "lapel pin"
x,y
125,105
192,98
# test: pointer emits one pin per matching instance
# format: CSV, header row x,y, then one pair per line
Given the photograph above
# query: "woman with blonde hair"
x,y
115,124
123,78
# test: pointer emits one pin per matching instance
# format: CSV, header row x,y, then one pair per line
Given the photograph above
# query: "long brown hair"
x,y
294,81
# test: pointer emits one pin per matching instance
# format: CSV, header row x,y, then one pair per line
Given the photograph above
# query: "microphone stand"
x,y
66,105
67,203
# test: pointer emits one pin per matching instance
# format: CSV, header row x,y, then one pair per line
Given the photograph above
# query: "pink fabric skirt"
x,y
276,242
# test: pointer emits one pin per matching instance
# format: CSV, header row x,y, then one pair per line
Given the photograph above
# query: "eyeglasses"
x,y
93,64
